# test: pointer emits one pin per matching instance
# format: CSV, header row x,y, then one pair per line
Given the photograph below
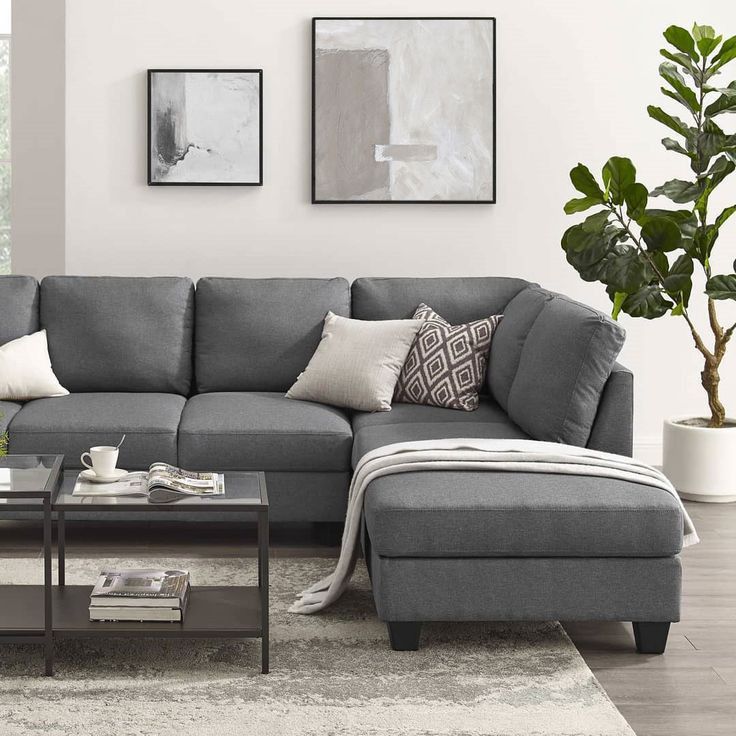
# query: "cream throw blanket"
x,y
522,456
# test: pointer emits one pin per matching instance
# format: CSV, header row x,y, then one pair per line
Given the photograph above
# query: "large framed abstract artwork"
x,y
403,110
205,126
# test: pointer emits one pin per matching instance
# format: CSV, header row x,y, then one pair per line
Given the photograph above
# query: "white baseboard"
x,y
648,450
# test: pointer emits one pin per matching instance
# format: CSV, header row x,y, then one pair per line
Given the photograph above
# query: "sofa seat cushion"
x,y
512,514
69,425
409,422
263,431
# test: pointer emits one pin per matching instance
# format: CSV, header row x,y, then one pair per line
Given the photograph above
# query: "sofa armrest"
x,y
612,429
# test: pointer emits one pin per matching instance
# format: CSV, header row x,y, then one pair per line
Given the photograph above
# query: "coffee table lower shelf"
x,y
232,612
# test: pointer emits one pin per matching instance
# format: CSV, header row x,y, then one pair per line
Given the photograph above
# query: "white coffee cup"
x,y
103,459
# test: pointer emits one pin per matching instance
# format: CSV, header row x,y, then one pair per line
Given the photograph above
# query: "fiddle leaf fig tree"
x,y
644,254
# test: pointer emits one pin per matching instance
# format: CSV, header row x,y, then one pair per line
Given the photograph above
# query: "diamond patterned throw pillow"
x,y
446,365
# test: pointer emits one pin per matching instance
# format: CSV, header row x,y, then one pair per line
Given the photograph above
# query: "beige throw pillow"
x,y
25,369
357,363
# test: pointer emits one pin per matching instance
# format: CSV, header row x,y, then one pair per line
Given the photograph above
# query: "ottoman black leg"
x,y
404,635
651,636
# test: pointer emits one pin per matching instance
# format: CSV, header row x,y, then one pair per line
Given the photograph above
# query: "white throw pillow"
x,y
357,363
25,369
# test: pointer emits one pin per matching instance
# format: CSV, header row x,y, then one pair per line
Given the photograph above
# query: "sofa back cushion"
x,y
18,307
120,334
259,334
550,360
458,300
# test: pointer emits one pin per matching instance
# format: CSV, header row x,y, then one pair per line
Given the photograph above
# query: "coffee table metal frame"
x,y
14,633
213,611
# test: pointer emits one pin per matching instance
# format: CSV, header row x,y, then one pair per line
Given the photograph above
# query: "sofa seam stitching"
x,y
626,509
89,431
270,434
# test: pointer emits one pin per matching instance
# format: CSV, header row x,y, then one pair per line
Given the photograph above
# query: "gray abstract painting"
x,y
403,110
205,126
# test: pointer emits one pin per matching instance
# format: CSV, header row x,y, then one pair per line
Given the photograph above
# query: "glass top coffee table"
x,y
233,611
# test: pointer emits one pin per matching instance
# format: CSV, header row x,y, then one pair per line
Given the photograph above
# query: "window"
x,y
5,136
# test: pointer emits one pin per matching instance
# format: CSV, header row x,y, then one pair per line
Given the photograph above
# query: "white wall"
x,y
37,124
574,78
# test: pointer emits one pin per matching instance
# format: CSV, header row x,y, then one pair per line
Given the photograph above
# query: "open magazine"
x,y
162,483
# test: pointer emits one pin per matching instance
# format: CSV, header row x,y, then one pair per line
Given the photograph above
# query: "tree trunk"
x,y
710,379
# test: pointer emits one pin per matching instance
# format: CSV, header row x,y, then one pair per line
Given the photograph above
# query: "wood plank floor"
x,y
689,691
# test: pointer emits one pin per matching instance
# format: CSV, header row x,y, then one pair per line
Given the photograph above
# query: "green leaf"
x,y
672,145
721,168
636,201
585,251
661,233
596,222
683,60
647,302
682,40
678,310
727,52
585,182
721,287
707,45
618,300
678,216
669,73
625,269
724,216
672,122
725,103
615,234
661,263
576,240
701,32
705,39
618,175
679,282
678,191
703,242
580,204
710,142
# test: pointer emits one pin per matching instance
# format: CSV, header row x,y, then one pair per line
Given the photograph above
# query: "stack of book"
x,y
140,595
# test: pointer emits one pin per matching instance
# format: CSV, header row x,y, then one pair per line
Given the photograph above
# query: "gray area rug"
x,y
332,673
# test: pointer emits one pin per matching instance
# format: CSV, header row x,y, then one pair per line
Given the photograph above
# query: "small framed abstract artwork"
x,y
205,127
403,110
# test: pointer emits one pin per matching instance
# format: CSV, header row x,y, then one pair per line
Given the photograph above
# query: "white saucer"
x,y
91,476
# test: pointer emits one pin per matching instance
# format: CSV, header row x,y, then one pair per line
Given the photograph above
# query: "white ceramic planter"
x,y
700,462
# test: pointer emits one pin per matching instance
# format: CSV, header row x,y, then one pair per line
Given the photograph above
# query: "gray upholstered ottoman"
x,y
469,546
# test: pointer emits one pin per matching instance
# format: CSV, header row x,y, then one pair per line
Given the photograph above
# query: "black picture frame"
x,y
314,198
259,183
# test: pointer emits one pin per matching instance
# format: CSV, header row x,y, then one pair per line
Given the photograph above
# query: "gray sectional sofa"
x,y
197,377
